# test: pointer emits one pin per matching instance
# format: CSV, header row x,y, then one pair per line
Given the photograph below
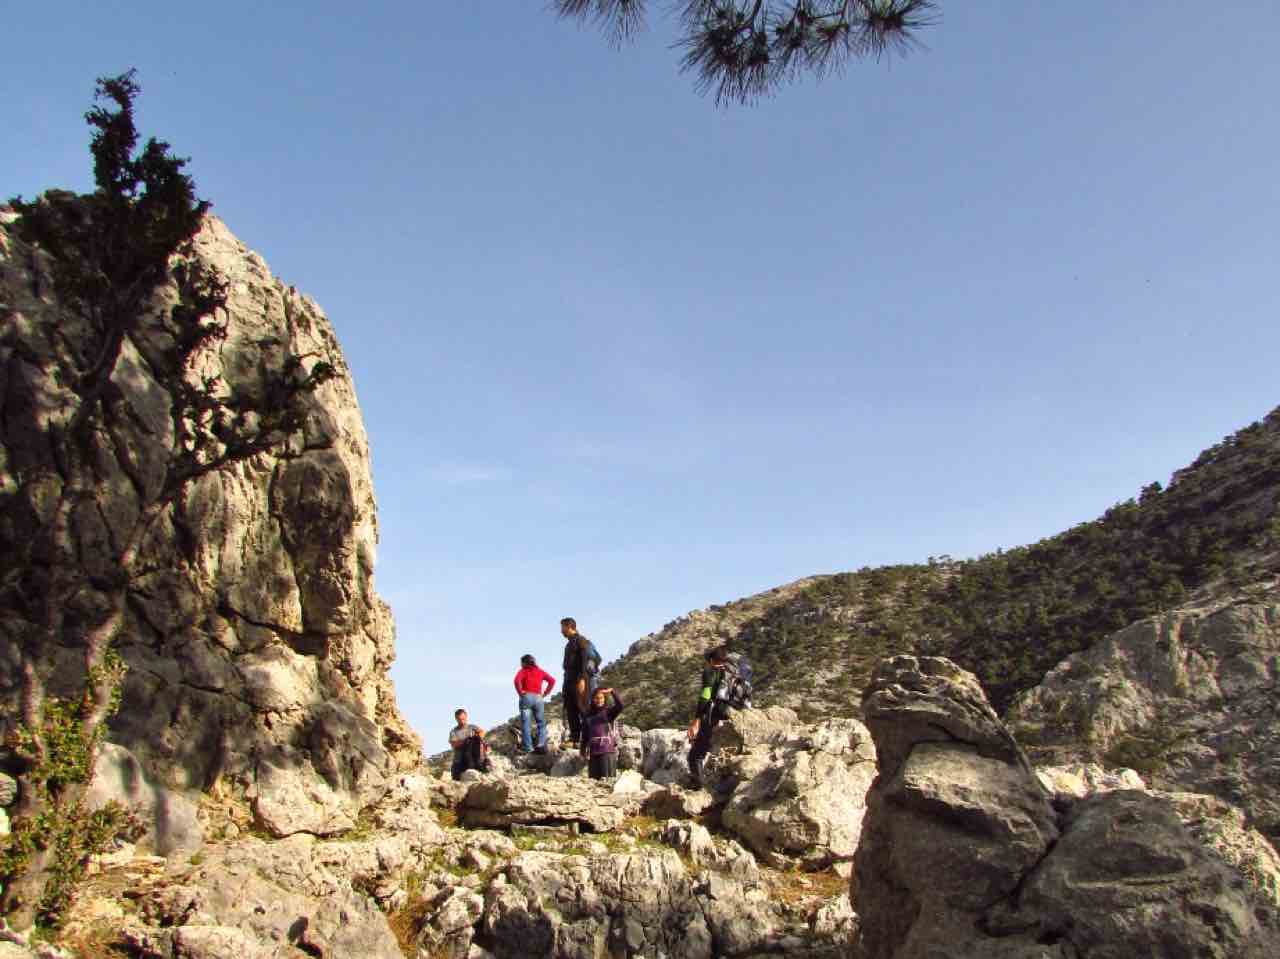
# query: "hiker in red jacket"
x,y
533,685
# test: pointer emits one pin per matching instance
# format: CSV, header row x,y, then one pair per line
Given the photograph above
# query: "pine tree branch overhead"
x,y
742,50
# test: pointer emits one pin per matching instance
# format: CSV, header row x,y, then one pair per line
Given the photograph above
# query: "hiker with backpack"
x,y
599,736
581,663
726,684
533,685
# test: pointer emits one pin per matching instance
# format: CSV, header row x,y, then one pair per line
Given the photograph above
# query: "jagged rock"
x,y
278,895
1217,825
747,728
406,811
673,802
450,926
802,790
591,804
1082,780
929,699
1222,829
665,755
691,839
629,781
572,907
171,818
962,855
258,651
1127,879
1187,697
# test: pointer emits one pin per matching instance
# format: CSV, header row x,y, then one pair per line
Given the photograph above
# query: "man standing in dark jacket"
x,y
579,676
708,712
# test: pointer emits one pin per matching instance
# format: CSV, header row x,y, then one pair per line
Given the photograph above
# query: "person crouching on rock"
x,y
533,685
599,738
469,748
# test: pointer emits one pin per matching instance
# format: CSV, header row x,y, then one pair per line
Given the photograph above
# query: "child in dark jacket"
x,y
599,742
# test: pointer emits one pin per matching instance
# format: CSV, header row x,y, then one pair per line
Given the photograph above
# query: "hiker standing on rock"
x,y
469,748
533,685
581,661
599,738
710,710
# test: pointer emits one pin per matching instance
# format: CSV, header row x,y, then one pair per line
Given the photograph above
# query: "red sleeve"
x,y
517,680
549,680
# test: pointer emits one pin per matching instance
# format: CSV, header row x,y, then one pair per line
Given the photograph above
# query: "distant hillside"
x,y
1008,616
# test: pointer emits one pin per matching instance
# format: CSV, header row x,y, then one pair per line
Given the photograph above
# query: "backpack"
x,y
594,659
735,687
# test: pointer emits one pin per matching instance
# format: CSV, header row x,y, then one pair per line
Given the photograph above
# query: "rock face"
x,y
1188,698
801,790
257,649
963,854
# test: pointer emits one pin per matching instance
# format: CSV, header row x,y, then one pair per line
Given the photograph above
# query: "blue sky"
x,y
622,354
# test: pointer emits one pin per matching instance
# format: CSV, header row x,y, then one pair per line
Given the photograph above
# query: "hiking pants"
x,y
531,713
572,715
702,742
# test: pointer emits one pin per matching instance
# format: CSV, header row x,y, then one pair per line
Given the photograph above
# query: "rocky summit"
x,y
1100,784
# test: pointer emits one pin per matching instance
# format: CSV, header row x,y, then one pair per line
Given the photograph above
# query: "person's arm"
x,y
549,682
516,682
456,737
617,705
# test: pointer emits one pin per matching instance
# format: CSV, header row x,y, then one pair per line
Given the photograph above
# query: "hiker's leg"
x,y
573,718
701,745
608,765
540,718
459,764
526,708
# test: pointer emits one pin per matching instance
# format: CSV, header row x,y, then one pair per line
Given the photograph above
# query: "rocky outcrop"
x,y
800,791
586,804
257,649
963,854
1188,698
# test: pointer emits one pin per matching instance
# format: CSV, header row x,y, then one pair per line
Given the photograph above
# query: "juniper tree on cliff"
x,y
118,261
745,49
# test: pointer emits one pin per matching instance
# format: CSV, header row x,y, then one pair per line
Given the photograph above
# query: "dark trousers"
x,y
572,715
602,766
702,742
470,755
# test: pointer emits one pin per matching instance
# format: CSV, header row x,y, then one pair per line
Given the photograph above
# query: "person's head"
x,y
461,716
716,656
599,698
568,627
526,660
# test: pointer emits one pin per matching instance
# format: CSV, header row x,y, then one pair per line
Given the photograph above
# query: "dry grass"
x,y
794,887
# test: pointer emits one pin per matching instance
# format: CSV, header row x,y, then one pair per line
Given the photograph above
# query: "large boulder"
x,y
1187,698
963,854
258,650
262,899
587,804
574,907
802,790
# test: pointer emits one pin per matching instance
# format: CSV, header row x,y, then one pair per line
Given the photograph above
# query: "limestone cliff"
x,y
257,648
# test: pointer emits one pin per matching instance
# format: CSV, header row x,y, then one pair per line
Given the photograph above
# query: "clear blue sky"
x,y
622,354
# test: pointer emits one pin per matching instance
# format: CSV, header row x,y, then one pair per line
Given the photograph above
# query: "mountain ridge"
x,y
1008,616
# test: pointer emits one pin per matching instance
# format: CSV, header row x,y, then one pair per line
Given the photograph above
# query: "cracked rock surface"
x,y
258,650
964,855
